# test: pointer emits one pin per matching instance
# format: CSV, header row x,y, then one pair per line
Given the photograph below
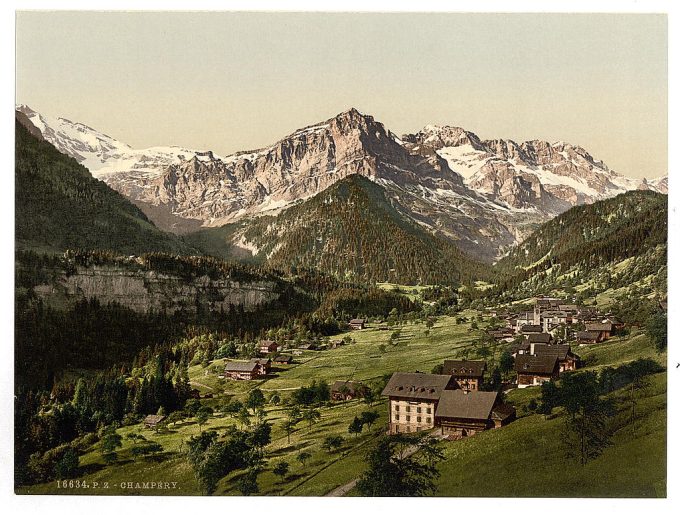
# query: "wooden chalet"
x,y
605,329
587,337
467,373
151,421
413,399
347,390
535,370
283,359
267,347
247,370
566,359
357,323
460,413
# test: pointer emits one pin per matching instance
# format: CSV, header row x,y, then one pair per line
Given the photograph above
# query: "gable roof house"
x,y
246,370
413,399
347,390
605,329
357,323
588,337
267,347
461,413
151,421
531,328
535,370
467,373
566,359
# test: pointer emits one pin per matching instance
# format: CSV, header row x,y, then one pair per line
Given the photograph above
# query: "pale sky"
x,y
239,81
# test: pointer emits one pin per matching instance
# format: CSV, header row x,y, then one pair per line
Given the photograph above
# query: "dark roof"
x,y
568,307
588,335
540,364
502,411
598,327
241,366
352,386
416,385
472,405
154,419
559,350
531,328
538,337
464,367
283,358
261,361
357,321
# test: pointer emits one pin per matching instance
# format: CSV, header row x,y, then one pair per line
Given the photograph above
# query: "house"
x,y
413,399
520,348
566,359
467,373
588,337
347,390
460,413
151,421
307,346
534,370
283,359
531,328
247,370
267,347
554,318
357,323
605,329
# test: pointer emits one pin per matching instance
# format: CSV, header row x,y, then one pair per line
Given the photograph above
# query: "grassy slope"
x,y
629,468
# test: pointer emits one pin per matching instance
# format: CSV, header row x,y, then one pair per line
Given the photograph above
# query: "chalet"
x,y
566,359
535,370
520,348
588,337
283,359
413,399
461,413
151,421
357,323
267,347
531,328
570,309
247,370
604,329
617,324
467,373
307,346
347,390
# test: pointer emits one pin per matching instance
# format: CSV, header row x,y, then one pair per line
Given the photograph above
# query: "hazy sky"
x,y
238,81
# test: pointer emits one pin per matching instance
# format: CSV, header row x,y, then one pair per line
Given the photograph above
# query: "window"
x,y
396,407
419,409
396,417
408,409
419,419
429,420
408,419
429,410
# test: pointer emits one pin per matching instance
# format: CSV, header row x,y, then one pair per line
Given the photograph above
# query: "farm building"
x,y
246,370
347,390
357,323
467,373
151,421
588,337
566,359
605,329
283,359
413,399
460,413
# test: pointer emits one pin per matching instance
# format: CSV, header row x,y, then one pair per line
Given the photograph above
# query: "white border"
x,y
55,504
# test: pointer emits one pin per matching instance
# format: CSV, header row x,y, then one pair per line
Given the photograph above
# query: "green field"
x,y
524,459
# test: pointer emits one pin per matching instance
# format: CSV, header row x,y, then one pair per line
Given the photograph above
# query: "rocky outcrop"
x,y
144,291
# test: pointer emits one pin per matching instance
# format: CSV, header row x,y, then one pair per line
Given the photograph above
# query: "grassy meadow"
x,y
489,464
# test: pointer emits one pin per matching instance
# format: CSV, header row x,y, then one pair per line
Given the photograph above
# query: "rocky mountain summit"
x,y
485,195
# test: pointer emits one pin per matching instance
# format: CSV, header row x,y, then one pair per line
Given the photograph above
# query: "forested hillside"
x,y
613,243
351,231
59,205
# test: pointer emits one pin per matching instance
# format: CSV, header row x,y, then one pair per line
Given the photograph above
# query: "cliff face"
x,y
144,291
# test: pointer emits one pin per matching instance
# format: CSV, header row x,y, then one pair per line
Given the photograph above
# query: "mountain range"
x,y
484,196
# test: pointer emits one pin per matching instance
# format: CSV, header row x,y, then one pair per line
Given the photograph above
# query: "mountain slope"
x,y
59,205
350,230
612,243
